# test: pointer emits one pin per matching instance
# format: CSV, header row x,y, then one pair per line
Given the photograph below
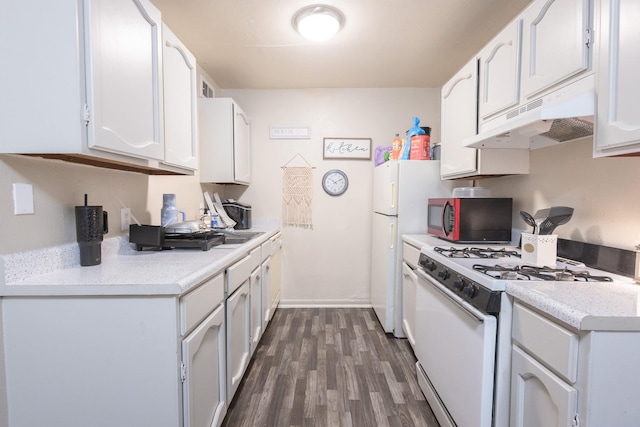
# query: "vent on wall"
x,y
207,90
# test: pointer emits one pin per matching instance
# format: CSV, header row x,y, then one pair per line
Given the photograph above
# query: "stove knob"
x,y
459,284
470,291
430,265
444,274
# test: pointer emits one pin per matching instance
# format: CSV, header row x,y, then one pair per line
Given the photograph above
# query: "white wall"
x,y
603,192
57,187
330,263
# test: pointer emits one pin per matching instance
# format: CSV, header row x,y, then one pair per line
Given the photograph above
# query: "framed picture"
x,y
347,148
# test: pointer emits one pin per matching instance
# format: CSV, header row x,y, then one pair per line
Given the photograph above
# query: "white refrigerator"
x,y
400,193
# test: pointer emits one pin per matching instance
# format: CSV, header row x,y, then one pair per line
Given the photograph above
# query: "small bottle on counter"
x,y
215,220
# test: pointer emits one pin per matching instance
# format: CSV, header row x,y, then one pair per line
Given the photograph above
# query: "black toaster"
x,y
238,212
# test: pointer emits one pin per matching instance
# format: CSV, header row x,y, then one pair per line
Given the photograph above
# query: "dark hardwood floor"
x,y
330,367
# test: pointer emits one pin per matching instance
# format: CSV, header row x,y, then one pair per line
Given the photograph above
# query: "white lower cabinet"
x,y
275,273
565,377
541,398
99,361
256,307
204,385
266,292
238,337
410,256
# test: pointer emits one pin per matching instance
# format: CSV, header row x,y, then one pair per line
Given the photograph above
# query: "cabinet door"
x,y
266,292
499,74
256,308
241,146
275,273
538,397
124,76
459,121
238,337
409,283
618,62
554,43
204,386
180,92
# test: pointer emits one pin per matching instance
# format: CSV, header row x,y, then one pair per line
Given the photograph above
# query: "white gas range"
x,y
463,319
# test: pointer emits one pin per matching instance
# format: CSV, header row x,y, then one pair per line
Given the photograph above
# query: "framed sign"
x,y
347,148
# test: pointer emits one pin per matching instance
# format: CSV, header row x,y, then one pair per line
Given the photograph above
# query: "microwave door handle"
x,y
444,224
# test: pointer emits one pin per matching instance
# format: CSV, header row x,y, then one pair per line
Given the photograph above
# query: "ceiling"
x,y
251,44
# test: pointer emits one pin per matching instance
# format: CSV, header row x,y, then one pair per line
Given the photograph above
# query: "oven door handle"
x,y
478,317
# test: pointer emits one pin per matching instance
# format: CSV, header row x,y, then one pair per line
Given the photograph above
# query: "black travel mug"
x,y
91,225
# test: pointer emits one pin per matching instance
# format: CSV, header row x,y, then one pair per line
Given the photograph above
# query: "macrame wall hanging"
x,y
297,195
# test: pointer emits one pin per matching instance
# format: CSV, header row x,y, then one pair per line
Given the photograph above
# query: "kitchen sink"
x,y
237,237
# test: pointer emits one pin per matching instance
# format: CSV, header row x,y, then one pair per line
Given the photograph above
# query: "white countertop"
x,y
420,240
609,306
123,271
586,306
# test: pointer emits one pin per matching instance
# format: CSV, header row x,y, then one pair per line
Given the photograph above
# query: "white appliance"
x,y
400,192
563,115
463,327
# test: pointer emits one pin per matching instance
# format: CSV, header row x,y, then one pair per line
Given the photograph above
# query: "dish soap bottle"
x,y
396,147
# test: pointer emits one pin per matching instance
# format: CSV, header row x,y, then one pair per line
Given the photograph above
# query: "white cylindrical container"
x,y
539,250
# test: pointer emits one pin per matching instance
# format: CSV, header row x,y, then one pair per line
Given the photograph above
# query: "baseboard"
x,y
322,304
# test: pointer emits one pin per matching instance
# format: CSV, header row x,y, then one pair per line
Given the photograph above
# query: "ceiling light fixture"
x,y
318,22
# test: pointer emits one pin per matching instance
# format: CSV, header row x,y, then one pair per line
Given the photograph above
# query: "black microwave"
x,y
471,220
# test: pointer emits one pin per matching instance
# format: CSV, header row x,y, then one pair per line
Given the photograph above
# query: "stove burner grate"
x,y
528,272
475,252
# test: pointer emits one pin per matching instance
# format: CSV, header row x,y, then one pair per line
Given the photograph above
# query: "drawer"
x,y
550,343
267,249
197,304
256,259
238,273
410,254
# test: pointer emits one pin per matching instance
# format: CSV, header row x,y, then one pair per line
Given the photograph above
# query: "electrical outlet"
x,y
125,219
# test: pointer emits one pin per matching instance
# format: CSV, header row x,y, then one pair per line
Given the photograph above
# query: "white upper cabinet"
x,y
180,101
459,115
459,122
617,128
555,43
86,84
124,72
225,143
499,75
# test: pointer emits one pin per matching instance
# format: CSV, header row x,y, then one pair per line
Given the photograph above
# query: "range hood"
x,y
563,115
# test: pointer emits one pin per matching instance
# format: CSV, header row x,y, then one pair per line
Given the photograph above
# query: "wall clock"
x,y
335,182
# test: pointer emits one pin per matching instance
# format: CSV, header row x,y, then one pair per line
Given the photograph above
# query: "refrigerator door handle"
x,y
392,235
394,198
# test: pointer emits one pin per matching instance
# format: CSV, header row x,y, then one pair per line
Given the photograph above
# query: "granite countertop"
x,y
124,271
586,306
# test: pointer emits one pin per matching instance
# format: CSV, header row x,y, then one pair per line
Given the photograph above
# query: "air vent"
x,y
535,104
563,130
207,90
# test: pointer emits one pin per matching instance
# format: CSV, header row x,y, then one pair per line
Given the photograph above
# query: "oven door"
x,y
455,347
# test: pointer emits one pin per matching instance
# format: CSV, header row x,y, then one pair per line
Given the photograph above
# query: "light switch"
x,y
22,199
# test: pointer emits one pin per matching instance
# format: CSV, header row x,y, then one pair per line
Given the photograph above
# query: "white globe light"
x,y
318,23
